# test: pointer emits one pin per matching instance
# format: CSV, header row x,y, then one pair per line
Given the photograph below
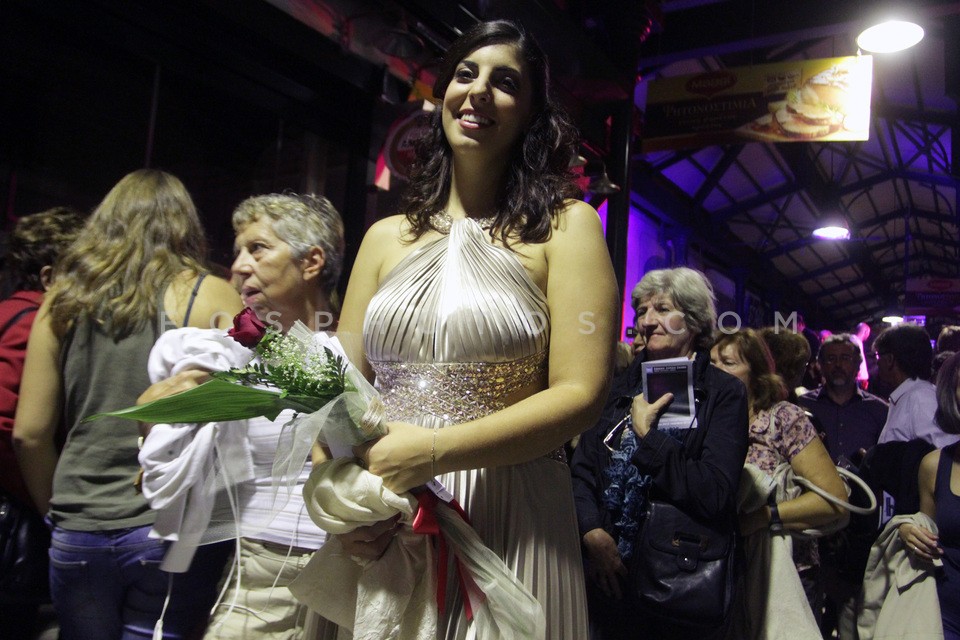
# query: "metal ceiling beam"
x,y
673,206
830,268
949,263
918,237
898,214
826,198
729,157
938,180
789,247
834,290
738,26
889,111
784,190
867,298
942,218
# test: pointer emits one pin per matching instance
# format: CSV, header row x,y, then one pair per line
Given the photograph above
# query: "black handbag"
x,y
24,557
24,540
683,570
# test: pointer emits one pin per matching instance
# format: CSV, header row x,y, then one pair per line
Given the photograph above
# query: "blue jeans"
x,y
108,585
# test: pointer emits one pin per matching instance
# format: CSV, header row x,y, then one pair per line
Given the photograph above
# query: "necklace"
x,y
443,221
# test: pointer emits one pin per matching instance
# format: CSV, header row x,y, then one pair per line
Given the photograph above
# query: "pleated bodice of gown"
x,y
456,331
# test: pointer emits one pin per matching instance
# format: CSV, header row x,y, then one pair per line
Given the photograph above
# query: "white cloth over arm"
x,y
387,599
185,465
899,589
393,598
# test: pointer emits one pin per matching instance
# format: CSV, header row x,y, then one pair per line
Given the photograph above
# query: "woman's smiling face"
x,y
487,104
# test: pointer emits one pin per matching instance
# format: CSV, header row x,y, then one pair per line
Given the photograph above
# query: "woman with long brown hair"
x,y
487,313
135,269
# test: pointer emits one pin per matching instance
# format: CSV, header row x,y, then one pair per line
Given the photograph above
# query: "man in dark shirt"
x,y
850,417
852,420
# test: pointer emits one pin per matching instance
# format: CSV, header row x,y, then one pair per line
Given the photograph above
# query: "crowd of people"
x,y
485,313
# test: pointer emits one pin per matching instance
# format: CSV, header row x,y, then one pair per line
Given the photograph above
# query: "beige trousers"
x,y
261,606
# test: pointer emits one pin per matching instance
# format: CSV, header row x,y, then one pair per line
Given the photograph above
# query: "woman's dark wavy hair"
x,y
538,179
948,409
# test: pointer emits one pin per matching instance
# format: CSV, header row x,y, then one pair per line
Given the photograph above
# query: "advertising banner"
x,y
799,101
931,295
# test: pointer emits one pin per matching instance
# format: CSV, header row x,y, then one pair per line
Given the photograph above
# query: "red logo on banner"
x,y
399,148
940,285
708,84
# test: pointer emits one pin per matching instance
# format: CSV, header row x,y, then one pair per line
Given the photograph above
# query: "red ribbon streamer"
x,y
425,523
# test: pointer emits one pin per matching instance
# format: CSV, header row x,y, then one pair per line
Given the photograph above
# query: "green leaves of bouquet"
x,y
297,375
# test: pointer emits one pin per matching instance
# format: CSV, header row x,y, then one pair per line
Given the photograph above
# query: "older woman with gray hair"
x,y
696,469
289,254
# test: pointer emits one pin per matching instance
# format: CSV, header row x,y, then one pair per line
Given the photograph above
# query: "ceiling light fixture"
x,y
890,36
602,185
576,160
401,42
832,232
893,320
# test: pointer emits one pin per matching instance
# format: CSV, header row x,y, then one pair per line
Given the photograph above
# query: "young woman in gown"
x,y
487,314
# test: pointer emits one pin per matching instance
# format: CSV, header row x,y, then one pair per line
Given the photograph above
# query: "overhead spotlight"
x,y
602,185
890,36
832,232
892,320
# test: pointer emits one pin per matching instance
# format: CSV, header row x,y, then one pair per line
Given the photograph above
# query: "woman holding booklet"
x,y
695,467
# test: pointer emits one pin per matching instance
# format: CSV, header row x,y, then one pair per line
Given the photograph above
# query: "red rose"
x,y
248,330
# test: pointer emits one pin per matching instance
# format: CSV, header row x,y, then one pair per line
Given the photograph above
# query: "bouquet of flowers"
x,y
298,374
398,596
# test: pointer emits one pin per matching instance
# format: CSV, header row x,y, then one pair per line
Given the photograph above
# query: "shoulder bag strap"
x,y
19,314
847,476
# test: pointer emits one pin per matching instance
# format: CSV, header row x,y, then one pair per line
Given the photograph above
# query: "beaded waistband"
x,y
454,392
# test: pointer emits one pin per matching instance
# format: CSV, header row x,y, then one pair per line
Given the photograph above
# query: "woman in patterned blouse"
x,y
781,433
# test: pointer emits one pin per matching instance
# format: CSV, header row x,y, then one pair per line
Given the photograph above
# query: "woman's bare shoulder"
x,y
215,304
930,463
392,227
575,217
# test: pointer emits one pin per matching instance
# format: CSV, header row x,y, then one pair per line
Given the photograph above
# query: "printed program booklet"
x,y
673,375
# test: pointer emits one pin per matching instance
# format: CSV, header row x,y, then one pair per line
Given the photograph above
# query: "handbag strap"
x,y
19,314
847,476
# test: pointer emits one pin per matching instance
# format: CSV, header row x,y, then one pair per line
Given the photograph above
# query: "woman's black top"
x,y
703,486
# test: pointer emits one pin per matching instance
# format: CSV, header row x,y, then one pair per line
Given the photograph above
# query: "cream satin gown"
x,y
456,331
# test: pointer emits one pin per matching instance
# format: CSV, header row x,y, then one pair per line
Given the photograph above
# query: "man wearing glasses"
x,y
851,418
